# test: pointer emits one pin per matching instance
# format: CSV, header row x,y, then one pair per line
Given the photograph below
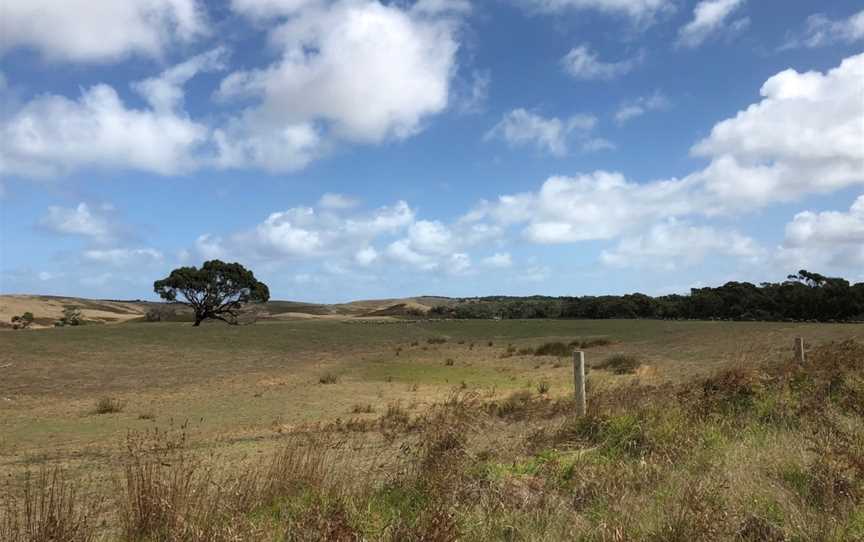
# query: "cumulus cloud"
x,y
600,205
640,10
638,107
828,239
582,63
821,31
309,233
673,244
165,93
52,134
804,137
709,18
100,30
80,220
330,54
521,128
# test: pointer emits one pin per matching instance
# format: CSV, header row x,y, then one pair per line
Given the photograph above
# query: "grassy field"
x,y
246,391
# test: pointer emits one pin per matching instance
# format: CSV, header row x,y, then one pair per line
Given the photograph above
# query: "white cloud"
x,y
124,257
262,9
209,247
582,63
471,97
804,137
99,30
521,128
337,201
827,228
459,264
80,220
435,7
307,233
498,260
825,240
401,251
640,106
643,10
672,244
709,17
822,31
601,205
53,134
49,275
366,256
330,53
165,93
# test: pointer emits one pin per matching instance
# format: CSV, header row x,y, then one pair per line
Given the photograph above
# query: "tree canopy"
x,y
217,290
803,296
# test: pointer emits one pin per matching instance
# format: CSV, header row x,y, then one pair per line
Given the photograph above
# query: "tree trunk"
x,y
198,319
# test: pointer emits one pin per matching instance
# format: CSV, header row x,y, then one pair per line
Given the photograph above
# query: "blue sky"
x,y
356,149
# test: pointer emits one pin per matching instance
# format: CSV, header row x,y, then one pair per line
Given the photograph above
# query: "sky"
x,y
355,149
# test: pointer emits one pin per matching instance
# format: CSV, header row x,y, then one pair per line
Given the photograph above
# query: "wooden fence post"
x,y
799,349
579,382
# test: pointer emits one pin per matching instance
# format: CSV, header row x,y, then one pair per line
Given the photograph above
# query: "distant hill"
x,y
49,309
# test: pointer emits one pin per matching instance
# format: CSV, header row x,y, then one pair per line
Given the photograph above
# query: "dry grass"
x,y
739,446
709,461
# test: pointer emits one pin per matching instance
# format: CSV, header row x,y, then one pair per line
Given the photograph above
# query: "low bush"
x,y
108,405
620,364
328,378
553,349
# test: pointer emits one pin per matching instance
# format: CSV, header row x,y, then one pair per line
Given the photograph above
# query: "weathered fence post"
x,y
799,349
579,382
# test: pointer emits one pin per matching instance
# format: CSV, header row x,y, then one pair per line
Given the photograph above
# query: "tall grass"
x,y
760,452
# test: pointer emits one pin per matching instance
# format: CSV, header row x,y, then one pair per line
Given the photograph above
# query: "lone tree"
x,y
218,290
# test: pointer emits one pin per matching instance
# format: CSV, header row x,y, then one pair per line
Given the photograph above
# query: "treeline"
x,y
805,296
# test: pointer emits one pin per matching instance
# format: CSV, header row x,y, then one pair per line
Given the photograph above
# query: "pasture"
x,y
240,393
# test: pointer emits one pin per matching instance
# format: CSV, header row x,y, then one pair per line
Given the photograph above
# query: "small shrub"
x,y
525,351
621,364
146,416
543,387
436,340
513,406
589,343
450,362
71,317
362,409
22,322
490,344
553,349
108,405
328,378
